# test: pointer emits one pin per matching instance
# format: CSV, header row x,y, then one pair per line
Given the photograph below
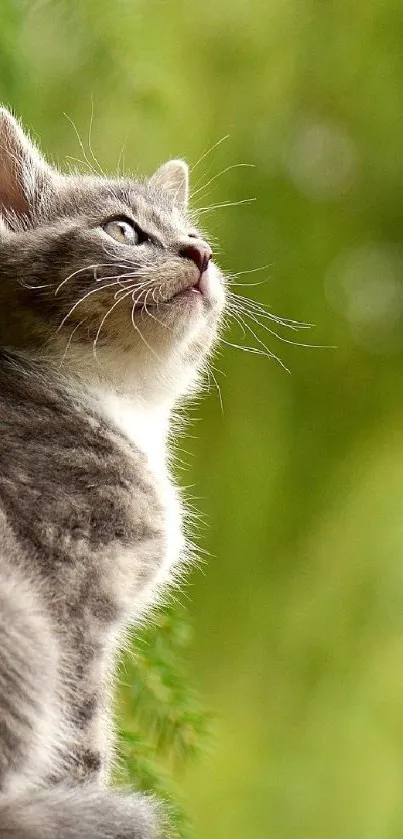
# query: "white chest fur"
x,y
147,430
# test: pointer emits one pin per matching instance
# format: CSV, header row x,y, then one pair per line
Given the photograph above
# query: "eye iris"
x,y
122,231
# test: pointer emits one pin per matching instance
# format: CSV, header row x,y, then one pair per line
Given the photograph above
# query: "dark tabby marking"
x,y
109,306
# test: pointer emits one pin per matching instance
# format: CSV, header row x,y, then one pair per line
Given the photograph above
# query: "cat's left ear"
x,y
173,177
24,174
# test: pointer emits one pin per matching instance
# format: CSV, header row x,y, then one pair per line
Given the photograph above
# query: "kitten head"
x,y
108,277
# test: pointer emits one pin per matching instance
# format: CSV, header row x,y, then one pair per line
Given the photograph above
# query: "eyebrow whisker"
x,y
223,172
208,151
225,204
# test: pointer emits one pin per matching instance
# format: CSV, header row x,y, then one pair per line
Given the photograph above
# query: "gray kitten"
x,y
109,306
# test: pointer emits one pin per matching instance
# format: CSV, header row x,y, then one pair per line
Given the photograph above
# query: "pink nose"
x,y
199,253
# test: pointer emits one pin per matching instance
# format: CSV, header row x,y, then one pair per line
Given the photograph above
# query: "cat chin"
x,y
192,305
155,354
157,363
180,350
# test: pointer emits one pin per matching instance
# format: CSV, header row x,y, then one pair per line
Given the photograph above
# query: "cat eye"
x,y
124,231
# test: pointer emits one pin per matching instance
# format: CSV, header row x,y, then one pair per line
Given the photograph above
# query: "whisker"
x,y
138,330
208,151
34,287
243,325
258,308
82,162
81,300
109,312
137,286
77,326
217,386
234,275
262,344
81,144
104,175
225,204
245,348
88,268
121,165
223,172
246,285
233,306
153,290
281,337
238,321
251,271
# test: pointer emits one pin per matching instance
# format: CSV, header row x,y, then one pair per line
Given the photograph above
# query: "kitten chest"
x,y
146,432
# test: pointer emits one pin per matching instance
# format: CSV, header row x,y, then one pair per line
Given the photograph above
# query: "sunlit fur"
x,y
70,291
99,341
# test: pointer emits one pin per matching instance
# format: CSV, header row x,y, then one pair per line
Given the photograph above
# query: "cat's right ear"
x,y
173,178
24,174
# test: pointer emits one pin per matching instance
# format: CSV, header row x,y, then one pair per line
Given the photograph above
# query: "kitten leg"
x,y
29,716
84,812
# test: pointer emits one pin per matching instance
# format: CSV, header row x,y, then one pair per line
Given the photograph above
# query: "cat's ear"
x,y
173,177
24,174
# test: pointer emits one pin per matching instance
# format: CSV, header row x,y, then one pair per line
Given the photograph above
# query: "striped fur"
x,y
90,522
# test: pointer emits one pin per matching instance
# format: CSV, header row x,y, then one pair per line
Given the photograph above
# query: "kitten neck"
x,y
144,425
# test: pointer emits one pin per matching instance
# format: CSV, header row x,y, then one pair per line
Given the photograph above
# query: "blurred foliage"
x,y
298,619
162,725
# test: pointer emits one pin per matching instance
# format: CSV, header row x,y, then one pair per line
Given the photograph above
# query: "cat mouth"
x,y
197,289
188,291
200,289
205,289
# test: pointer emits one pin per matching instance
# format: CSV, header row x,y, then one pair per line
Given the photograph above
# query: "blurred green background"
x,y
298,613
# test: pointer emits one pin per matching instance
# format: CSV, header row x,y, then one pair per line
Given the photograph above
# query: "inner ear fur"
x,y
173,177
24,174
